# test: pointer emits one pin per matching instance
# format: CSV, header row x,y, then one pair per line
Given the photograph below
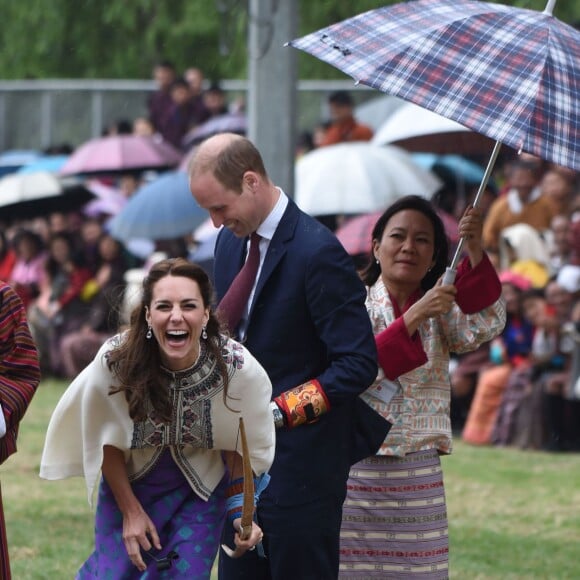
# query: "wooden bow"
x,y
248,497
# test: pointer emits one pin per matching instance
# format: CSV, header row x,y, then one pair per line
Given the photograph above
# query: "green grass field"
x,y
513,514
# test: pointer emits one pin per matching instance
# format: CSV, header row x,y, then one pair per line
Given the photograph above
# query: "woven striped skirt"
x,y
394,521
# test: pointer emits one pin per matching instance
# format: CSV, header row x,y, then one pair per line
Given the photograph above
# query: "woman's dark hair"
x,y
51,266
32,237
371,273
136,362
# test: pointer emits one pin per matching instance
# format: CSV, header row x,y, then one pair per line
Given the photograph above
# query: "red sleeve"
x,y
77,280
399,353
477,288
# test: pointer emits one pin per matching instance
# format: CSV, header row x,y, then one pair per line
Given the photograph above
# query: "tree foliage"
x,y
120,39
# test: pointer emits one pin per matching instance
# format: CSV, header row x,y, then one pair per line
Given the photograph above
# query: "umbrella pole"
x,y
451,271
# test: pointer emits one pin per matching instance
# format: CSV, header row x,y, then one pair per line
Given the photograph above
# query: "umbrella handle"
x,y
449,276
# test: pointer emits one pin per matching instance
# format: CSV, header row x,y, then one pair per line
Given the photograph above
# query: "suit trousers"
x,y
301,542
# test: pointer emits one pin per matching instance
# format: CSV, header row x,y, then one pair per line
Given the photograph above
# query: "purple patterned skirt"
x,y
394,519
185,523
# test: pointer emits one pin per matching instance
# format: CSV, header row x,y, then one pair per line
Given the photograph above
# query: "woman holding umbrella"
x,y
397,495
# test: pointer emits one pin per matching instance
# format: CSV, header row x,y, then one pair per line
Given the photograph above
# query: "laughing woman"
x,y
157,413
394,517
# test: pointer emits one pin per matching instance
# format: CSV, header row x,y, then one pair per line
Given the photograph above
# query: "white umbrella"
x,y
25,195
358,177
375,112
418,129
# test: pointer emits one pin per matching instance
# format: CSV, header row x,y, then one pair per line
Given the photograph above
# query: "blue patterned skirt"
x,y
185,523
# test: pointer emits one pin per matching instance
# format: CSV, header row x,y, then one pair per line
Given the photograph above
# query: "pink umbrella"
x,y
356,233
121,154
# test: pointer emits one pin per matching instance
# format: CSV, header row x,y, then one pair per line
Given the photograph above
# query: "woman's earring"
x,y
203,333
149,333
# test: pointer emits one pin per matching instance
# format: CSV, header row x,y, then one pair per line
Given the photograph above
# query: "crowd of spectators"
x,y
523,389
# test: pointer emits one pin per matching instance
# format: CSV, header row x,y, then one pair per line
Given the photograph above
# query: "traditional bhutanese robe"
x,y
87,417
419,411
19,378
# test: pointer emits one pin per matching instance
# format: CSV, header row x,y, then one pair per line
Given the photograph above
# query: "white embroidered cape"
x,y
87,417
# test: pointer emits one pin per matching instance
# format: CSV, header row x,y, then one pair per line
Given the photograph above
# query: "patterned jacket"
x,y
419,411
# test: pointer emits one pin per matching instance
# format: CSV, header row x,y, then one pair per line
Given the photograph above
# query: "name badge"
x,y
384,390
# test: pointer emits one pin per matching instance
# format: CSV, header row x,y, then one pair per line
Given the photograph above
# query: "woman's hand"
x,y
471,229
138,529
435,302
139,532
255,537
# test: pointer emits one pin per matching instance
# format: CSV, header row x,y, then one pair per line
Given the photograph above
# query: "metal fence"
x,y
35,114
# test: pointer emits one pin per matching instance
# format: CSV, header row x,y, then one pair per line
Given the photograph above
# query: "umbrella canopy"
x,y
227,123
375,112
161,210
356,233
358,177
121,154
14,159
417,129
463,169
28,195
108,201
509,73
52,163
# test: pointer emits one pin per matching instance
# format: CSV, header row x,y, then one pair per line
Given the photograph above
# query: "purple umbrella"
x,y
121,154
227,123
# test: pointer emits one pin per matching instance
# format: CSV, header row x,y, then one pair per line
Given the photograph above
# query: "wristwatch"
x,y
277,414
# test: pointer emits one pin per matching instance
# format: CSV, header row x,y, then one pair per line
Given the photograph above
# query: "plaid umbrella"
x,y
509,73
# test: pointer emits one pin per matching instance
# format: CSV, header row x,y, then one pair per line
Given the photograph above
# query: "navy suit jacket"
x,y
308,320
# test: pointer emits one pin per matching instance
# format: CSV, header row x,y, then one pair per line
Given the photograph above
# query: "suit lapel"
x,y
278,246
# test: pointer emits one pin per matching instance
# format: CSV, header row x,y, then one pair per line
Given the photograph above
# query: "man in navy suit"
x,y
307,325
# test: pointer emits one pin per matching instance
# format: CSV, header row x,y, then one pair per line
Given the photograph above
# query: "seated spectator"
x,y
507,352
520,416
91,231
540,408
559,241
523,203
344,127
103,294
28,269
58,309
561,410
558,187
